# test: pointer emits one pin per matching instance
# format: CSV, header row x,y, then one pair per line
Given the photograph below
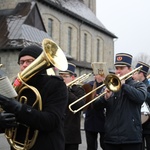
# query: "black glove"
x,y
7,120
10,105
73,88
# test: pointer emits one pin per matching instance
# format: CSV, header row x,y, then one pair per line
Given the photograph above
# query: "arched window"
x,y
50,27
98,49
69,40
85,46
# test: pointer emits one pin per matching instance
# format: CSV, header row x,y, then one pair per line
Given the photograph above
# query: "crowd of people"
x,y
113,119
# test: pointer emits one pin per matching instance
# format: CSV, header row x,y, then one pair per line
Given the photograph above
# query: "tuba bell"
x,y
52,56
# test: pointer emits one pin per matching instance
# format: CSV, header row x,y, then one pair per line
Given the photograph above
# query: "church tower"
x,y
91,4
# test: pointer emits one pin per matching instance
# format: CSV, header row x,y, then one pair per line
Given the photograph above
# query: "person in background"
x,y
48,121
72,121
142,77
95,118
123,129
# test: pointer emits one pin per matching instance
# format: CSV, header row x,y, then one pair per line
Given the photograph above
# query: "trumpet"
x,y
79,80
112,82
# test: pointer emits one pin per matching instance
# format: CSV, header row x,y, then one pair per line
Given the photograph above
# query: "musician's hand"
x,y
108,93
122,81
7,120
73,89
10,105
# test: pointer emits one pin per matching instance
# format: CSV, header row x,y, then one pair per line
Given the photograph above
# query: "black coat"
x,y
50,120
94,118
123,113
146,125
72,121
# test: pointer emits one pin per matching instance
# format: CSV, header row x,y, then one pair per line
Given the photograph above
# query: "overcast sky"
x,y
129,20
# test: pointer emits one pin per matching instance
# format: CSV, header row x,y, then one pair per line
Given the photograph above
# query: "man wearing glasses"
x,y
72,121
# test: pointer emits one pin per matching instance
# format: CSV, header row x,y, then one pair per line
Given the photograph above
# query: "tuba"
x,y
52,56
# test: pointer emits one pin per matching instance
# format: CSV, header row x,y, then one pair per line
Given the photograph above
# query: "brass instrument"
x,y
112,82
79,80
148,76
51,56
50,71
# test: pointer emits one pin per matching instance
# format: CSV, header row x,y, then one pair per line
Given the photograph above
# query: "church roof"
x,y
78,10
21,26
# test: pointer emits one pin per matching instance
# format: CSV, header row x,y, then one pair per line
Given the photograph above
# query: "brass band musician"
x,y
95,118
49,120
123,129
142,77
72,121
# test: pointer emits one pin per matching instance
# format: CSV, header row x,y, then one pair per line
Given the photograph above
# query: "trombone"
x,y
148,77
112,82
79,80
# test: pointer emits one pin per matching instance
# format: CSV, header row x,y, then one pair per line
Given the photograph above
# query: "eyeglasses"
x,y
28,61
65,76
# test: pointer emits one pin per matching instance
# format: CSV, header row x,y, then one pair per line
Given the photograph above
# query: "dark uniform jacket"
x,y
72,121
50,120
146,125
94,118
123,113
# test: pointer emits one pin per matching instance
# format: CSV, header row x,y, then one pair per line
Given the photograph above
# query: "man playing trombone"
x,y
123,129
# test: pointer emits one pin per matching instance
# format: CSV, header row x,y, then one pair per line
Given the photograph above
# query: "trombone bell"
x,y
112,82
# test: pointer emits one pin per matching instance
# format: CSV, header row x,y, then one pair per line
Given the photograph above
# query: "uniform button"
x,y
28,109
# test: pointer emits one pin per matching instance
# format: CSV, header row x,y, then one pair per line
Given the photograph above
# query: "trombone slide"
x,y
112,82
79,79
75,111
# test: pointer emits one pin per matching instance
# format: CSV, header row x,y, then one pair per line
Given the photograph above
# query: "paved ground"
x,y
5,146
3,143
